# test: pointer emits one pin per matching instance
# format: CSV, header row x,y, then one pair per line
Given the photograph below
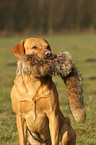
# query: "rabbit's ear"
x,y
73,82
18,50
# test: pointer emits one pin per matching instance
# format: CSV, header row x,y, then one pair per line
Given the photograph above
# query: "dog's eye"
x,y
34,47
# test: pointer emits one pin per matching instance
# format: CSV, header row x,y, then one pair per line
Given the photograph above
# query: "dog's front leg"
x,y
21,130
54,128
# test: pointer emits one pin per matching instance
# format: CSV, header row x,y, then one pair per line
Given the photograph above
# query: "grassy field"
x,y
83,50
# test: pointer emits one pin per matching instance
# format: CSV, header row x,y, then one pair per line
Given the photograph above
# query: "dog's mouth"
x,y
46,66
53,56
34,65
35,59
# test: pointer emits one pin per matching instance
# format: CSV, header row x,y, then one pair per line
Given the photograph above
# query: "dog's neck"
x,y
34,85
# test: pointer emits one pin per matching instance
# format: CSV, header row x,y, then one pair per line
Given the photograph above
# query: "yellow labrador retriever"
x,y
35,102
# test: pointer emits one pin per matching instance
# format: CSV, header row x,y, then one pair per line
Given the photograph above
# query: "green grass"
x,y
81,47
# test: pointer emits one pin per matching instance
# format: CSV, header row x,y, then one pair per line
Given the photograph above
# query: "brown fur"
x,y
61,65
35,102
75,97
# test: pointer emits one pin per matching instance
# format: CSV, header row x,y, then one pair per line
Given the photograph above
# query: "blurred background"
x,y
68,25
46,16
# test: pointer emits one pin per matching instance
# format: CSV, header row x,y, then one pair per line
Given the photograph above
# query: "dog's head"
x,y
31,46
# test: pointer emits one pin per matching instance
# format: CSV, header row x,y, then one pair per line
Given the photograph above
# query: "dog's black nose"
x,y
48,53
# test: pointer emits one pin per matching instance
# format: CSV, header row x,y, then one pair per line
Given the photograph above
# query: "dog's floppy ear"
x,y
18,50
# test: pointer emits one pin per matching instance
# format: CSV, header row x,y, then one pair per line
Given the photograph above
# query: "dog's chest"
x,y
34,114
32,85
